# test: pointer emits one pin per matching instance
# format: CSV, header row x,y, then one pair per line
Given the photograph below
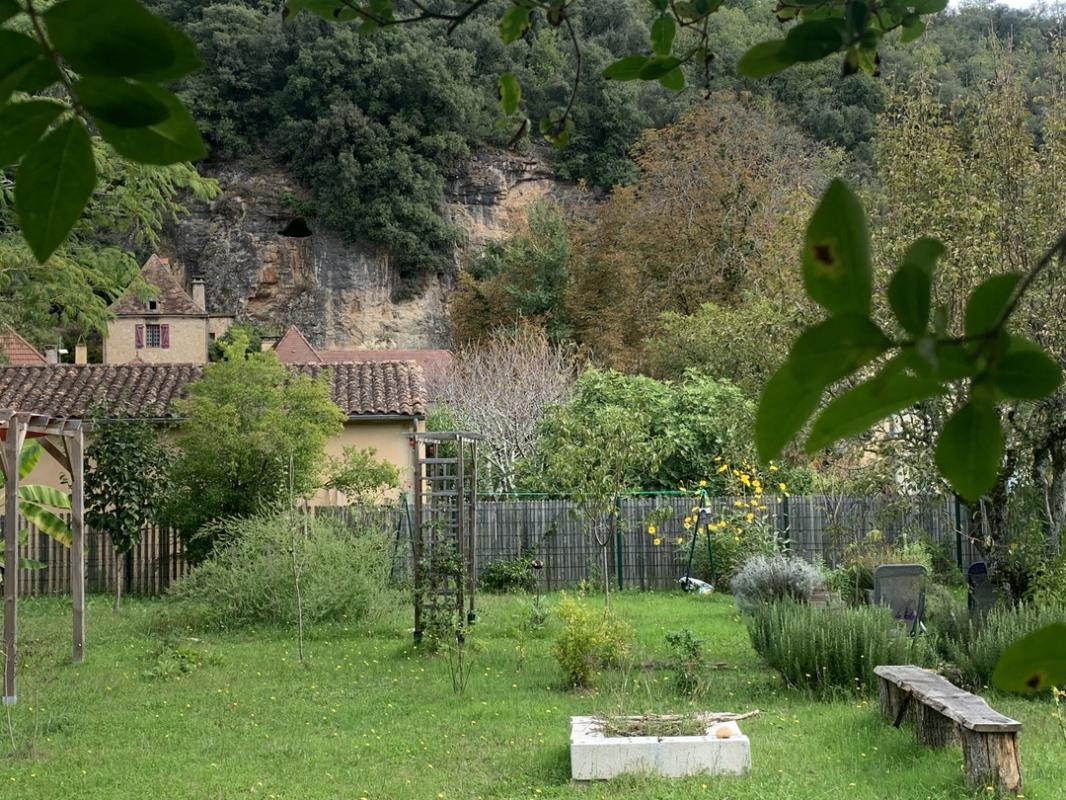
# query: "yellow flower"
x,y
782,486
656,541
686,525
651,529
745,478
703,483
749,517
722,468
773,467
739,503
680,540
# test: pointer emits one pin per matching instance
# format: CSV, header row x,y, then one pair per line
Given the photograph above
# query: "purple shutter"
x,y
164,336
138,336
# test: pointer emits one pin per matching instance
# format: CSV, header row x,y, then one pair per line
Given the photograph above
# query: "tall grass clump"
x,y
769,579
249,579
974,646
831,650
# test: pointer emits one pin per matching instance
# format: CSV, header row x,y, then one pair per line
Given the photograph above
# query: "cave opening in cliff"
x,y
296,229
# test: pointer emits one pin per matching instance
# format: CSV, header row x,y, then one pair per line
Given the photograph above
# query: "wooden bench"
x,y
944,714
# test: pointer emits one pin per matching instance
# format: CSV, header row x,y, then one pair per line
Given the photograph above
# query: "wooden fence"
x,y
815,527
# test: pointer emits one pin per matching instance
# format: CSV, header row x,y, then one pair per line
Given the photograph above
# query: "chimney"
x,y
199,293
51,355
81,353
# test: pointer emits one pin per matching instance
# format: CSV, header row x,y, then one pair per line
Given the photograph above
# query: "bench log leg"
x,y
892,698
933,729
991,759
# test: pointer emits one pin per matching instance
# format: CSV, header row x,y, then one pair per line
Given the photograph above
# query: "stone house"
x,y
169,326
384,402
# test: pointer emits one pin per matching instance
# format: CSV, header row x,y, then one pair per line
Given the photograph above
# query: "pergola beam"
x,y
15,427
13,438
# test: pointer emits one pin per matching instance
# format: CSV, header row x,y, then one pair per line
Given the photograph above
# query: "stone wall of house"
x,y
188,341
262,261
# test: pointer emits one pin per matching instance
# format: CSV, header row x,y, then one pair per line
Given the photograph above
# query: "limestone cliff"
x,y
261,260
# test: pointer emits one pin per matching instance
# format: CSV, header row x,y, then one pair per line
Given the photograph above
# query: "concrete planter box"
x,y
594,756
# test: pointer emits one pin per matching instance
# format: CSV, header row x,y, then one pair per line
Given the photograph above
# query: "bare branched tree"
x,y
501,388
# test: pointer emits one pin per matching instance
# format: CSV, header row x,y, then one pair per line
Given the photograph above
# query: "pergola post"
x,y
75,446
11,450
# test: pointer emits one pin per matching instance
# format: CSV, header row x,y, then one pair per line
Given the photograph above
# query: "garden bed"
x,y
603,748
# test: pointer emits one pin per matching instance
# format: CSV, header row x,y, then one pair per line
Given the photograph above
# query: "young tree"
x,y
596,457
502,388
359,476
125,484
242,423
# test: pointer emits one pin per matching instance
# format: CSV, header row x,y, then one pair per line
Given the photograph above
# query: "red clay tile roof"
x,y
293,348
16,350
171,299
390,388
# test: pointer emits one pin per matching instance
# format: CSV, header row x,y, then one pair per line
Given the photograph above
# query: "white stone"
x,y
594,756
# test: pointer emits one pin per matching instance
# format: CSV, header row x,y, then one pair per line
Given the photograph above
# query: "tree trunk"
x,y
120,560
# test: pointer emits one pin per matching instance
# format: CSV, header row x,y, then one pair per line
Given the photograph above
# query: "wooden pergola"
x,y
64,440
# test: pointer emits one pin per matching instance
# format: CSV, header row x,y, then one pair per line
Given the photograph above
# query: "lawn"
x,y
366,716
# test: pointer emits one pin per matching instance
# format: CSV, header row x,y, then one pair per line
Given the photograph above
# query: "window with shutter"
x,y
138,336
164,336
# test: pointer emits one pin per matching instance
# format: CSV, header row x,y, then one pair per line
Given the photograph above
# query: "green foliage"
x,y
248,578
1036,661
250,331
508,575
674,431
772,579
122,52
687,661
39,505
831,650
176,659
359,476
976,645
96,263
243,422
126,482
729,552
590,641
838,275
520,278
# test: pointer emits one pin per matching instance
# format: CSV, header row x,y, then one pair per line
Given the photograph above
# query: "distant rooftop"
x,y
170,300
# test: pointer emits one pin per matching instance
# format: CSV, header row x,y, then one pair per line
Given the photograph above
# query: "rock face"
x,y
263,261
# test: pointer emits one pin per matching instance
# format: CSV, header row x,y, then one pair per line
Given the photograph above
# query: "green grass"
x,y
367,716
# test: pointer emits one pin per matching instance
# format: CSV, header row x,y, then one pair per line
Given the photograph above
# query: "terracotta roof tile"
x,y
172,300
67,390
16,350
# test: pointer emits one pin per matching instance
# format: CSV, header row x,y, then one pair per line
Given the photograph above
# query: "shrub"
x,y
831,650
729,553
974,646
687,661
590,640
248,579
767,579
509,575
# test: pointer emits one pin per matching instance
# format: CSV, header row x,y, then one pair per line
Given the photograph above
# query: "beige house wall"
x,y
188,341
388,437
